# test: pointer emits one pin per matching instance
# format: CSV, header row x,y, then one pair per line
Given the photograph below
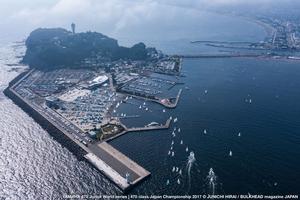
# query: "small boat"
x,y
169,152
114,111
146,109
144,103
173,153
186,149
239,134
164,110
181,142
205,91
171,147
250,101
178,181
175,120
179,130
180,172
140,107
174,128
174,135
230,153
168,182
172,142
176,169
173,169
205,132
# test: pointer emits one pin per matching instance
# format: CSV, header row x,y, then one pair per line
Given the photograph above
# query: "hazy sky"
x,y
112,17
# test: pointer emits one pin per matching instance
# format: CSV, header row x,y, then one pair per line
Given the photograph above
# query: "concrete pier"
x,y
116,165
150,128
137,129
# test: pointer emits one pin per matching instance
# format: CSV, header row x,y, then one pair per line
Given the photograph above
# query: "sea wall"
x,y
43,122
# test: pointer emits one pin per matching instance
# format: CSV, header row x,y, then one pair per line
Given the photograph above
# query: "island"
x,y
76,83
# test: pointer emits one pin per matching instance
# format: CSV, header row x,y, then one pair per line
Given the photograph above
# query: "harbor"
x,y
72,117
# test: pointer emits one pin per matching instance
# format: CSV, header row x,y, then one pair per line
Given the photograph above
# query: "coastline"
x,y
269,30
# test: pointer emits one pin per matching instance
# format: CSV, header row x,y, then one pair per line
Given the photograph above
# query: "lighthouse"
x,y
73,28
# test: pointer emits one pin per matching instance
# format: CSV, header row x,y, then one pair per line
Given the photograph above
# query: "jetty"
x,y
136,129
151,128
116,166
233,55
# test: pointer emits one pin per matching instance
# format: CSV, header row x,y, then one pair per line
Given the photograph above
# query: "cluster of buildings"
x,y
285,34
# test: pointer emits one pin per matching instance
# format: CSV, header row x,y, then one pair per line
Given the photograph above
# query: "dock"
x,y
137,129
116,165
151,128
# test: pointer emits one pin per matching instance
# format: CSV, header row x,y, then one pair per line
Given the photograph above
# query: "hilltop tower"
x,y
73,28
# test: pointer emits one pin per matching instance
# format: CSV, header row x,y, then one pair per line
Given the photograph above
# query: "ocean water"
x,y
265,158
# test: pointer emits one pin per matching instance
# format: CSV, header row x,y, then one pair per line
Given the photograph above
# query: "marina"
x,y
78,116
116,166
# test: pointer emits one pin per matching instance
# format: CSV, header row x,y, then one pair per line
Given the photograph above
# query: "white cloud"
x,y
108,16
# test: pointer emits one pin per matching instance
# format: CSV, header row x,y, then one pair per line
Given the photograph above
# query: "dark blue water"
x,y
265,158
